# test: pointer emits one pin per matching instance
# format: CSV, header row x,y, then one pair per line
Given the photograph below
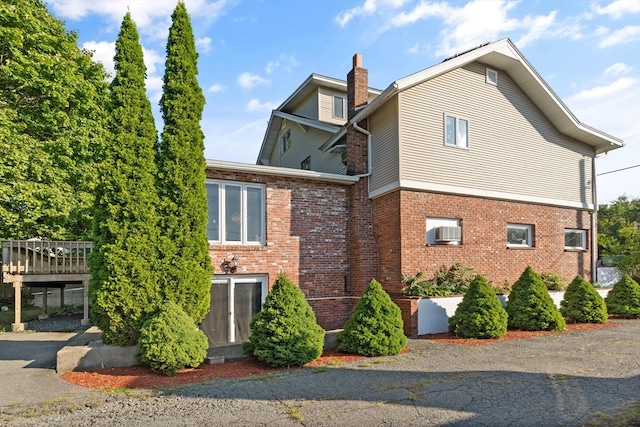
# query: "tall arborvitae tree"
x,y
53,106
124,282
187,266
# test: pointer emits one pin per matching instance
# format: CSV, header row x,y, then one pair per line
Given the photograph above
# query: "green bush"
x,y
169,341
553,281
530,308
452,281
375,328
480,314
285,332
582,303
624,298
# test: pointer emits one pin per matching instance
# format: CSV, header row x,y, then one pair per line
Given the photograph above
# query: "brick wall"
x,y
306,223
403,246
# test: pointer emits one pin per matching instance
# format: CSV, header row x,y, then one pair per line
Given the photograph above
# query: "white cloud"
x,y
624,35
103,52
204,44
216,88
256,105
369,7
617,68
249,80
618,8
285,62
538,27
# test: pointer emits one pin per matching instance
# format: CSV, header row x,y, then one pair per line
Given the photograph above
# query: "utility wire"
x,y
619,170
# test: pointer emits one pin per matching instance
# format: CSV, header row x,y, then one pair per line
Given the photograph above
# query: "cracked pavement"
x,y
561,379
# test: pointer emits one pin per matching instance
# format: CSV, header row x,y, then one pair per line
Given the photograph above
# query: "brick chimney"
x,y
357,97
363,248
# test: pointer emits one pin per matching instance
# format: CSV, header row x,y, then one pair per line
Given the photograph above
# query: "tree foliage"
x,y
624,298
582,303
53,104
480,314
187,271
285,332
530,308
170,341
124,283
619,235
375,328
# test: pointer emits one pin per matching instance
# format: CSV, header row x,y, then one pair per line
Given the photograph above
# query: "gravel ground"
x,y
58,323
561,379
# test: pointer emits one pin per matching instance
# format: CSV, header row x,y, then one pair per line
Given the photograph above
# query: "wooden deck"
x,y
45,263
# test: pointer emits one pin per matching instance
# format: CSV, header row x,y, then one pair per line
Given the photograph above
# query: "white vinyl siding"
x,y
515,149
326,106
308,107
306,144
384,145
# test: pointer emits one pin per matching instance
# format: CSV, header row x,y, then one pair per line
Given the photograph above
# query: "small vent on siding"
x,y
492,77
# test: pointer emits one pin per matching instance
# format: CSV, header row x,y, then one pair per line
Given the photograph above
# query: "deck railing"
x,y
45,257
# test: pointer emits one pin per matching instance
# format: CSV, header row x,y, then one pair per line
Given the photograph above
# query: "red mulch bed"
x,y
515,334
143,377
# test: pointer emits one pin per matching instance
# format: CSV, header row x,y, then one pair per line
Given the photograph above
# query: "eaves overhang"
x,y
280,171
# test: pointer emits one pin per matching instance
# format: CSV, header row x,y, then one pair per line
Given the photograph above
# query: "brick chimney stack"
x,y
363,248
357,86
357,97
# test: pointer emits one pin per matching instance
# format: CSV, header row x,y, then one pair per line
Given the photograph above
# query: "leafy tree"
x,y
619,235
375,328
530,307
53,106
184,246
169,341
480,314
285,331
624,298
582,303
124,284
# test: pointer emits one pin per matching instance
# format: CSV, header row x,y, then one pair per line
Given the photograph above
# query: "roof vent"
x,y
492,77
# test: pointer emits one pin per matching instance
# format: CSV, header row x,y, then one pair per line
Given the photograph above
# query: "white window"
x,y
339,107
443,231
285,141
492,77
575,239
456,131
520,235
236,212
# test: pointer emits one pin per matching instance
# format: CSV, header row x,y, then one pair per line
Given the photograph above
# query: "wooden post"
x,y
85,318
17,326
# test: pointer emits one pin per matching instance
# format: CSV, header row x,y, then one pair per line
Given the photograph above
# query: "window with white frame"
x,y
285,141
306,164
443,231
575,239
456,131
339,107
236,212
520,235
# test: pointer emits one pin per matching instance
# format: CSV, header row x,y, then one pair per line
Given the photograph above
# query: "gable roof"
x,y
503,55
311,84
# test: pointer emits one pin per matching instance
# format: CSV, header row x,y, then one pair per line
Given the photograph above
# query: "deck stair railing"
x,y
29,257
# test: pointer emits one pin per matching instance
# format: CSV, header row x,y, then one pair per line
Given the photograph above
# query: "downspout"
x,y
366,132
594,219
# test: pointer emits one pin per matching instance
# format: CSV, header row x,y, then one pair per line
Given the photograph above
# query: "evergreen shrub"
x,y
530,308
170,341
624,298
375,328
480,314
582,303
285,332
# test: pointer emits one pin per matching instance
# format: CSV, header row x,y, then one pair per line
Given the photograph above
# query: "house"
x,y
474,160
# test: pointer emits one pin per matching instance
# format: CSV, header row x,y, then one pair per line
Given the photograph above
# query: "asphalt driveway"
x,y
561,379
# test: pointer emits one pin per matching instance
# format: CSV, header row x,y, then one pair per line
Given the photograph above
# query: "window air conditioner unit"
x,y
447,234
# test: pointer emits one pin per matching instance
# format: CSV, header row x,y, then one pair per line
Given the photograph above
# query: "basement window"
x,y
519,235
575,239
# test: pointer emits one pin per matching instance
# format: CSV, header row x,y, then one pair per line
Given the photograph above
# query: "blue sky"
x,y
253,54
